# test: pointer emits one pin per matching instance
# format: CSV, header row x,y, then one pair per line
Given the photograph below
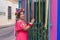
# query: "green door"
x,y
37,31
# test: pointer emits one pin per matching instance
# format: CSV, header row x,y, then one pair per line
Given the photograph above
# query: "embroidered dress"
x,y
21,33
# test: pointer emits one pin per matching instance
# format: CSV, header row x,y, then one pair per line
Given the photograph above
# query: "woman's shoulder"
x,y
19,21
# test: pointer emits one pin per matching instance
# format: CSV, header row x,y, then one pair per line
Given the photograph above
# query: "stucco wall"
x,y
4,19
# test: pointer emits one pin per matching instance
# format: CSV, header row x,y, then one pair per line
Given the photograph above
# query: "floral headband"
x,y
19,10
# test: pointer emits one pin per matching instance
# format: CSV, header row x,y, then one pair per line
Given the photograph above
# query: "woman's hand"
x,y
32,21
30,24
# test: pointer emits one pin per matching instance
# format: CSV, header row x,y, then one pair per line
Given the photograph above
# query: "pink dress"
x,y
21,34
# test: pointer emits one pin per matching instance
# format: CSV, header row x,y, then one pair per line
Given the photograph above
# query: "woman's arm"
x,y
21,26
30,24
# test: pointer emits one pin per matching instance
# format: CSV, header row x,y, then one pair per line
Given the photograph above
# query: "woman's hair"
x,y
18,16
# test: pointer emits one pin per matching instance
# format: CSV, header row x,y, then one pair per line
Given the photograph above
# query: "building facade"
x,y
7,12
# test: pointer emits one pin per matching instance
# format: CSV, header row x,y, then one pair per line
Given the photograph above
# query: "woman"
x,y
21,27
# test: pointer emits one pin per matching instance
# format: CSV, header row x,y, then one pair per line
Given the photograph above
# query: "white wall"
x,y
2,9
4,19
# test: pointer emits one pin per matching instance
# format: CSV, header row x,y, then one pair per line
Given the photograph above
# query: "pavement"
x,y
7,33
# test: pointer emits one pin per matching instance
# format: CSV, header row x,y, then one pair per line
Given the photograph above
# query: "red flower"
x,y
21,10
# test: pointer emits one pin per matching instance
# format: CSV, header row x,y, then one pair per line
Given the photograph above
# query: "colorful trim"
x,y
48,19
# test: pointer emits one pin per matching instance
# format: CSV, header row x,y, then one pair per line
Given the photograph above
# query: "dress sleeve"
x,y
18,26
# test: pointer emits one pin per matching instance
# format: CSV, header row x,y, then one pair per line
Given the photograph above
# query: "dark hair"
x,y
18,16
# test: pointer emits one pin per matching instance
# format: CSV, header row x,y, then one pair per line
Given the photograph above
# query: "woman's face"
x,y
22,15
